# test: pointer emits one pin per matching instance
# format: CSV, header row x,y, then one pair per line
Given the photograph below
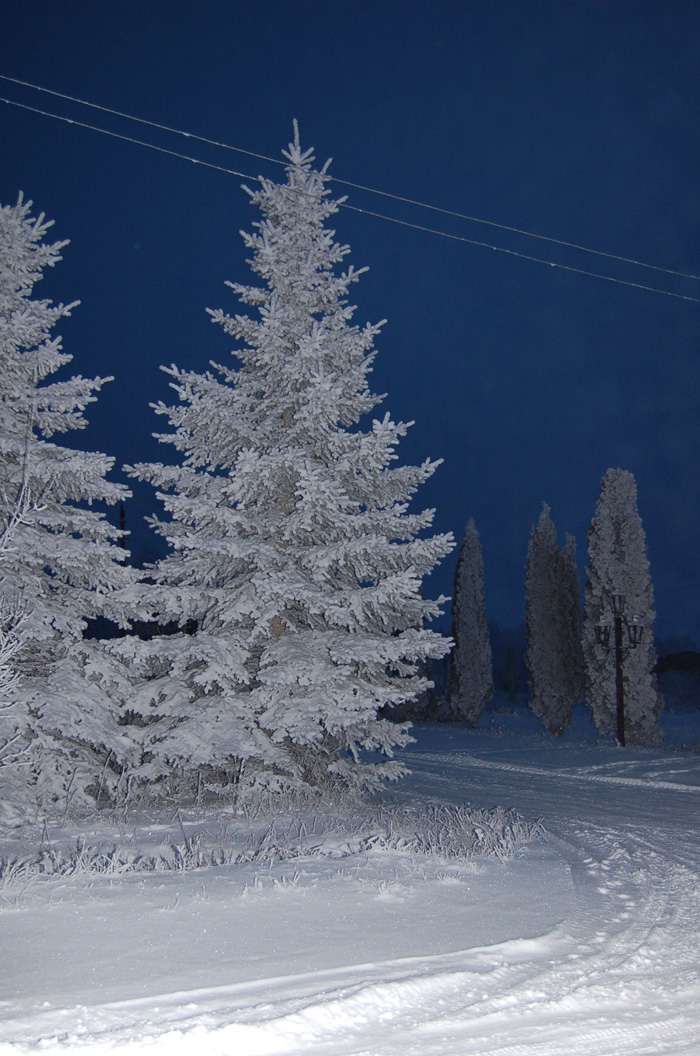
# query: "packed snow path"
x,y
621,974
615,970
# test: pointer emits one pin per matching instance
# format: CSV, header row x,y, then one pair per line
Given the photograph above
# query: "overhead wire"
x,y
523,256
143,120
352,208
127,139
356,186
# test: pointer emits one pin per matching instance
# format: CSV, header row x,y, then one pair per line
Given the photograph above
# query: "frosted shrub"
x,y
432,830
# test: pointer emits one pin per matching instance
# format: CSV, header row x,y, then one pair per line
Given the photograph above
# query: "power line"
x,y
127,139
523,256
144,121
356,209
359,186
528,234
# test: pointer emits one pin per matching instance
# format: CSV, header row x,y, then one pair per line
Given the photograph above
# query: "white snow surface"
x,y
587,942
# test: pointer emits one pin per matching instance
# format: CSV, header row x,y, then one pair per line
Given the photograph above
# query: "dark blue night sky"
x,y
578,121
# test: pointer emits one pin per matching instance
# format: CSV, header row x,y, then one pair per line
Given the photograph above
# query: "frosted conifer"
x,y
541,603
293,552
63,566
552,625
471,675
618,563
571,624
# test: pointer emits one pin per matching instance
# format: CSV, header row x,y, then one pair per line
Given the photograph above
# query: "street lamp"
x,y
635,633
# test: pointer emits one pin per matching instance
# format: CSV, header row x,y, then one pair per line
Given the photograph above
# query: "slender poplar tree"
x,y
541,623
618,564
471,674
552,621
571,623
293,552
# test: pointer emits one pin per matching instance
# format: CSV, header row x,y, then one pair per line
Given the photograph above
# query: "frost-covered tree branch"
x,y
13,614
61,564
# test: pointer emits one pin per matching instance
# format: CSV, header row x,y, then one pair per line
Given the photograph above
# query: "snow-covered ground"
x,y
586,943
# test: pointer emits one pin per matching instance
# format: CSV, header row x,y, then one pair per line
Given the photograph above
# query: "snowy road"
x,y
622,972
610,964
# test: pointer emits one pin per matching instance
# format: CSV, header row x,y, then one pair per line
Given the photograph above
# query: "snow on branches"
x,y
553,626
293,549
618,564
60,565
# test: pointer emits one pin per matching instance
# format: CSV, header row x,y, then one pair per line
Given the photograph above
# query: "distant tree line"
x,y
568,650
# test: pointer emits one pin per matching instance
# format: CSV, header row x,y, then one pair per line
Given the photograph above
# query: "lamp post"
x,y
635,632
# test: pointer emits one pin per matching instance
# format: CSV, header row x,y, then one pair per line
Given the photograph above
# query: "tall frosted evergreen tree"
x,y
61,565
618,563
471,667
552,623
293,551
571,623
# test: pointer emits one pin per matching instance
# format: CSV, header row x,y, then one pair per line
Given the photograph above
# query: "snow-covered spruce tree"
x,y
551,624
471,677
618,563
63,565
293,550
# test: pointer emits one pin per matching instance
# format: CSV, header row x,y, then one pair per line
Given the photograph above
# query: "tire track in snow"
x,y
468,760
571,991
619,976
